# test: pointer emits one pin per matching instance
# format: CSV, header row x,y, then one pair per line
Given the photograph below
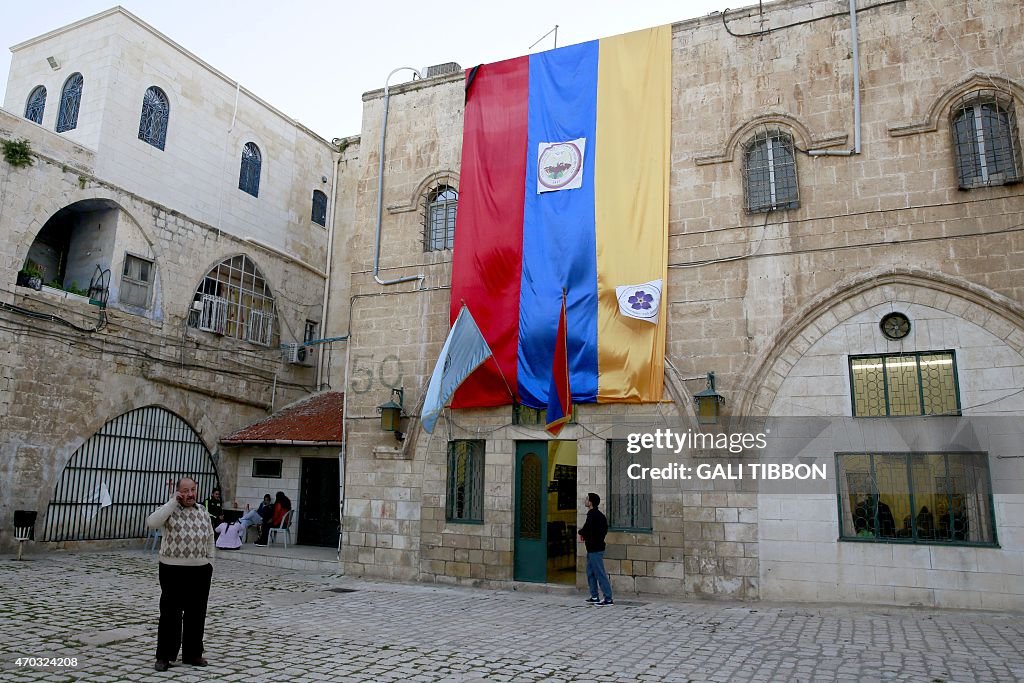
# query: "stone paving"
x,y
269,624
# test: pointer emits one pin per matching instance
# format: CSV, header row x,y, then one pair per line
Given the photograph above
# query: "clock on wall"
x,y
895,326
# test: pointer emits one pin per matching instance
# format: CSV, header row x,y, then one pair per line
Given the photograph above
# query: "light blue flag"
x,y
464,351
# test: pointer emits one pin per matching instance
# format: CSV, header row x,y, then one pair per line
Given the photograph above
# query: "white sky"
x,y
313,59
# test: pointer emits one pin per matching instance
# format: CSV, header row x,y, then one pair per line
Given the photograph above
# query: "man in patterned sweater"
x,y
186,566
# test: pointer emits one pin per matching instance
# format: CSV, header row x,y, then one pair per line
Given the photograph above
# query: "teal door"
x,y
531,512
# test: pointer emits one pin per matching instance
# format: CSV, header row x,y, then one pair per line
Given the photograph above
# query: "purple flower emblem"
x,y
640,300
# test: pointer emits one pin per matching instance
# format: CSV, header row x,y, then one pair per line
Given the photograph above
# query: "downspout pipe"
x,y
856,93
380,186
330,258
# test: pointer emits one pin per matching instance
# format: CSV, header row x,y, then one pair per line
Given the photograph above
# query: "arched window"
x,y
249,174
156,111
319,208
986,142
234,300
769,172
439,218
36,104
70,101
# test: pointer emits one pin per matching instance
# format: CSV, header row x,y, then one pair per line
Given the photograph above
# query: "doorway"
x,y
318,503
545,512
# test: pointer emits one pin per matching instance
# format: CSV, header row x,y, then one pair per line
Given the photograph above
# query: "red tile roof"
x,y
315,421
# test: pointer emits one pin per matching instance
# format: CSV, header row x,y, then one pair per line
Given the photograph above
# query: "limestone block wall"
x,y
800,556
211,118
743,289
59,384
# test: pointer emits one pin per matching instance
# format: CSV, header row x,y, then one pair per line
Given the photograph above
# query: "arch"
x,y
319,209
70,103
940,106
234,299
155,116
36,104
802,137
249,169
1000,315
115,479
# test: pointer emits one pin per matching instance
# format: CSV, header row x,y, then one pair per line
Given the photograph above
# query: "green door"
x,y
531,513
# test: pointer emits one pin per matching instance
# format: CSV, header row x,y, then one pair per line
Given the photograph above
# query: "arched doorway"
x,y
125,471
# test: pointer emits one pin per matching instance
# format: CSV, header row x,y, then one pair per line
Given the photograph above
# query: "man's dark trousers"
x,y
184,592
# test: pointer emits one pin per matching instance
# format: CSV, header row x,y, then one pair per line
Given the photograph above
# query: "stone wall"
x,y
59,384
744,292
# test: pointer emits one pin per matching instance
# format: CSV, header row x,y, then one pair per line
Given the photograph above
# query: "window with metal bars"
x,y
156,111
986,142
70,101
36,104
465,488
939,498
629,500
234,300
922,383
769,172
249,173
440,205
319,208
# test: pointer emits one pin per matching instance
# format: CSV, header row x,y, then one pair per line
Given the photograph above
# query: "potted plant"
x,y
31,275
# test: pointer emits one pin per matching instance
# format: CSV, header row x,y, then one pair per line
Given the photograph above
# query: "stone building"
x,y
182,224
855,269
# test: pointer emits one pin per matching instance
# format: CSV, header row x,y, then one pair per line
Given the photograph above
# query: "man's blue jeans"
x,y
597,576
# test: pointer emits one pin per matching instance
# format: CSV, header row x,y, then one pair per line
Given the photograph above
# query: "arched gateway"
x,y
125,471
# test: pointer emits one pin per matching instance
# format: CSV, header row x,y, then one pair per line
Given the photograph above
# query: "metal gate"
x,y
125,471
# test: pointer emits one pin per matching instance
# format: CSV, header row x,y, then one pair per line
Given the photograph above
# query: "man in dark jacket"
x,y
593,532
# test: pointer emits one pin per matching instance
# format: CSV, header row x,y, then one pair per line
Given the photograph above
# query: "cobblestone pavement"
x,y
268,624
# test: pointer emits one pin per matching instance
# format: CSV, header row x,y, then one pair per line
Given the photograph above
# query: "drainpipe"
x,y
330,259
856,94
380,186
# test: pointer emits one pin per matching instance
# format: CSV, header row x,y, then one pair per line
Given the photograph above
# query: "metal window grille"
x,y
916,498
249,173
986,142
123,473
769,173
70,101
465,502
439,208
629,500
36,104
155,114
259,328
319,208
214,315
234,300
135,281
905,384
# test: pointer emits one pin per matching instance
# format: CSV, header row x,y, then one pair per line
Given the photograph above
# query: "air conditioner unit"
x,y
441,69
299,354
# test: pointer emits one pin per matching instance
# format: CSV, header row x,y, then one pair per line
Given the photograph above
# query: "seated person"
x,y
281,507
256,516
229,535
215,507
864,517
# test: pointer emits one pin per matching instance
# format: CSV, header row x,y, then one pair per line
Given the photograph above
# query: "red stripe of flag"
x,y
560,394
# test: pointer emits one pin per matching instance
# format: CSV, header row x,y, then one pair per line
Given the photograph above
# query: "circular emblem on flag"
x,y
640,301
558,165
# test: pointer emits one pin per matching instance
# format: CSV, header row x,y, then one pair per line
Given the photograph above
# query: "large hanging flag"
x,y
559,393
463,352
564,185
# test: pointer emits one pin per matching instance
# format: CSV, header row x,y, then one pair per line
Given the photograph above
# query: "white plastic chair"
x,y
24,528
154,538
285,528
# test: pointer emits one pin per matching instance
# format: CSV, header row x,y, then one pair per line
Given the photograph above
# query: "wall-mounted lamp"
x,y
709,402
54,64
392,412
